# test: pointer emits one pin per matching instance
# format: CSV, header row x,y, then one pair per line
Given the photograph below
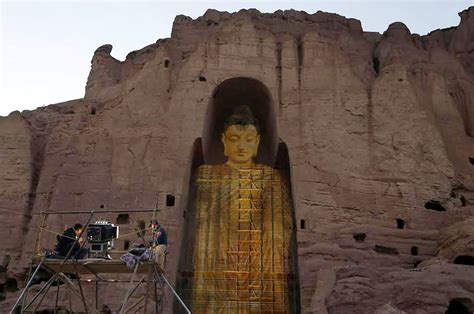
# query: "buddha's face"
x,y
240,143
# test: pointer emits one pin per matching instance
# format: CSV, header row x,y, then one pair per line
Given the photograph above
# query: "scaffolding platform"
x,y
77,276
94,266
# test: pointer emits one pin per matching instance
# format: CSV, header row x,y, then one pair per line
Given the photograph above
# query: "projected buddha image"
x,y
240,232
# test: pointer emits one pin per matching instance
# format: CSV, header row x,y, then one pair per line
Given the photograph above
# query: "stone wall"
x,y
379,129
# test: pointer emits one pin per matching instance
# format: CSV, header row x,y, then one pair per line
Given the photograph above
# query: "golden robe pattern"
x,y
240,259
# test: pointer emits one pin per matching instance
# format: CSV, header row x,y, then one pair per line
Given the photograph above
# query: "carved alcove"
x,y
208,150
229,94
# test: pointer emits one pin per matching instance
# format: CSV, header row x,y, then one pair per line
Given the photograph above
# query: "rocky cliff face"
x,y
379,130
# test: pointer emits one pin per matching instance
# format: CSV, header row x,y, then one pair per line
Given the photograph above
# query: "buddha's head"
x,y
240,137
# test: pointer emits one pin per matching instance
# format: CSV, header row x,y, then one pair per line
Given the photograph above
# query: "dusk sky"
x,y
47,46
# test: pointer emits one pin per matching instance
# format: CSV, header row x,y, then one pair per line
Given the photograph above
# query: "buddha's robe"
x,y
243,227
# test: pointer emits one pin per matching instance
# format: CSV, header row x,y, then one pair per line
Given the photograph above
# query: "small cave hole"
x,y
400,223
123,219
453,194
93,111
2,292
299,49
6,261
414,251
376,64
126,245
386,250
463,200
101,206
170,199
464,260
302,224
471,160
456,306
202,78
359,237
435,205
11,285
140,230
167,63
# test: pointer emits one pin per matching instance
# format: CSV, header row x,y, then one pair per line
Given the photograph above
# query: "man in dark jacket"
x,y
68,240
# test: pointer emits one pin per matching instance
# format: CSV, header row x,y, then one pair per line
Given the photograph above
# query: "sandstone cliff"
x,y
379,130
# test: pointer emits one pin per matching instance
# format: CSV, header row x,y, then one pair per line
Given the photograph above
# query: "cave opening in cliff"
x,y
400,223
359,237
239,233
376,64
141,227
457,306
435,205
123,219
414,250
471,160
464,260
170,200
386,250
126,245
11,285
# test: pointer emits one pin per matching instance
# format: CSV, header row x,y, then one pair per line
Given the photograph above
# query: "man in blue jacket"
x,y
160,242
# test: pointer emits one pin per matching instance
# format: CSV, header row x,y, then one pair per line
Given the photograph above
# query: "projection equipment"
x,y
100,236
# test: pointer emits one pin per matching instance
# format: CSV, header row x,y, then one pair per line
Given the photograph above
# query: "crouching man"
x,y
68,240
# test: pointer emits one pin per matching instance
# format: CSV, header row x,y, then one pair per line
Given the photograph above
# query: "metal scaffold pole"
x,y
26,287
62,269
44,290
175,294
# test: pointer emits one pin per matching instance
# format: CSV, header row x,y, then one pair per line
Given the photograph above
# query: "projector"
x,y
101,235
